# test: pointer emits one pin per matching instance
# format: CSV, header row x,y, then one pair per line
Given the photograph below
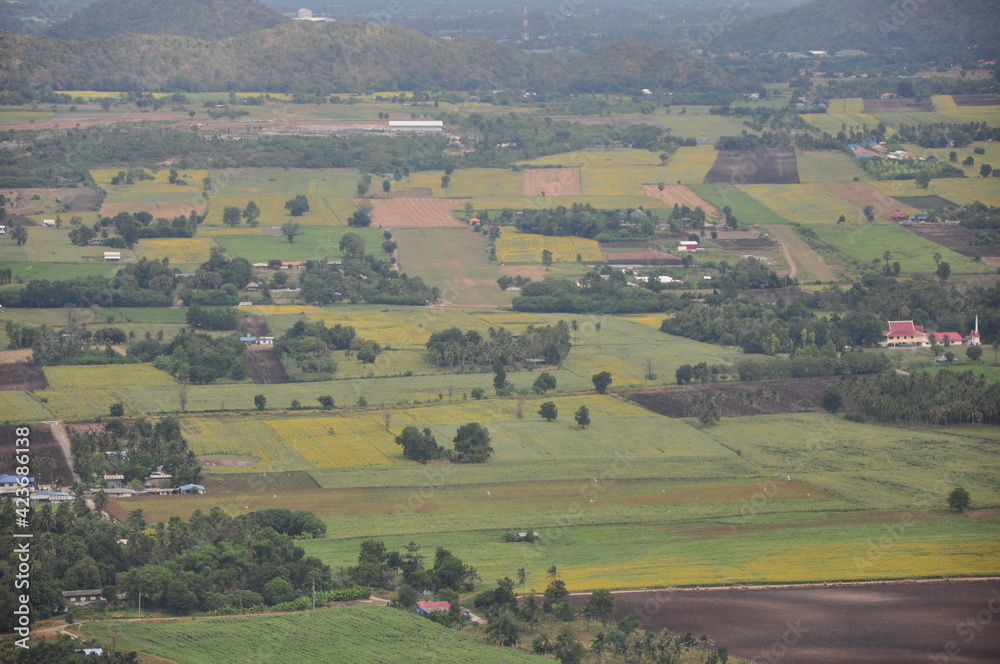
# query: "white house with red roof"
x,y
904,334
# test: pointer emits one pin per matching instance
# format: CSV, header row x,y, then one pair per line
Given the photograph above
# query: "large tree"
x,y
549,411
252,214
601,381
472,443
298,206
419,446
231,215
290,229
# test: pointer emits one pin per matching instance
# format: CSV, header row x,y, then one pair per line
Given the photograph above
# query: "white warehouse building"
x,y
417,126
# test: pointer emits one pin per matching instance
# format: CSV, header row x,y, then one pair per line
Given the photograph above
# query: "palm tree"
x,y
522,577
705,642
47,460
45,519
100,501
552,573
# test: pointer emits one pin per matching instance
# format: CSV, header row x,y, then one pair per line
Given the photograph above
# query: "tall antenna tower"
x,y
524,23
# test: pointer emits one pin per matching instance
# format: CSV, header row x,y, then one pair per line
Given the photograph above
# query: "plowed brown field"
x,y
863,194
414,212
681,195
552,182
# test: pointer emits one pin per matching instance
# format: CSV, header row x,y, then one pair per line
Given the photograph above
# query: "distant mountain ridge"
x,y
201,19
928,28
338,57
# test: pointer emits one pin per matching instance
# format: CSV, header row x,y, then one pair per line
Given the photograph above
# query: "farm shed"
x,y
426,608
82,596
112,255
191,488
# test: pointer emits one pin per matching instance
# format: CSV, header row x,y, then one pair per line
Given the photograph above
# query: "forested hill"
x,y
337,57
926,29
202,19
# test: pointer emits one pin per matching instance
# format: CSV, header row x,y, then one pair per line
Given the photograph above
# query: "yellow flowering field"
x,y
514,247
179,250
340,442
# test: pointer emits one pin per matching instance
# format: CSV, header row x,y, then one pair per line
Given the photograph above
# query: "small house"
x,y
191,488
49,223
427,608
112,256
252,286
292,265
265,341
248,340
52,496
949,338
11,483
115,481
159,480
687,245
82,597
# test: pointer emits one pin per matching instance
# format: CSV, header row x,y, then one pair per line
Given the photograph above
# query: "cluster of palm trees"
x,y
944,398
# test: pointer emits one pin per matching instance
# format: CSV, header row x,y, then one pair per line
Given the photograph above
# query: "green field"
x,y
14,115
827,167
961,191
698,124
314,243
915,254
832,123
352,635
158,196
745,207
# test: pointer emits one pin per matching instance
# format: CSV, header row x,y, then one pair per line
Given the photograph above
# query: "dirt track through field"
x,y
551,182
800,255
879,623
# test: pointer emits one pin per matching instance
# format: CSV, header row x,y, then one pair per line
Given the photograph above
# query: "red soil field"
x,y
769,167
22,376
43,443
863,194
759,397
551,182
881,623
681,195
414,212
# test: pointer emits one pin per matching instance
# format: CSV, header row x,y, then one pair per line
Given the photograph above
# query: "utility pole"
x,y
314,594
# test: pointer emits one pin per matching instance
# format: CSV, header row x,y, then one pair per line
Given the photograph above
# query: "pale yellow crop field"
x,y
158,196
81,404
19,407
960,191
341,442
846,106
116,375
241,437
183,251
514,247
465,183
600,157
688,165
387,328
587,360
322,211
806,203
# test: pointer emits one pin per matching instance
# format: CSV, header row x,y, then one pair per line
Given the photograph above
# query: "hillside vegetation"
x,y
336,57
201,19
931,28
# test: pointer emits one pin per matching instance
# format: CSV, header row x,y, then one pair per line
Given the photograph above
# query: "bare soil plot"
x,y
22,376
899,105
863,194
953,237
931,202
678,194
414,212
159,209
551,182
977,100
43,444
265,367
260,482
761,397
51,200
878,623
769,167
254,326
